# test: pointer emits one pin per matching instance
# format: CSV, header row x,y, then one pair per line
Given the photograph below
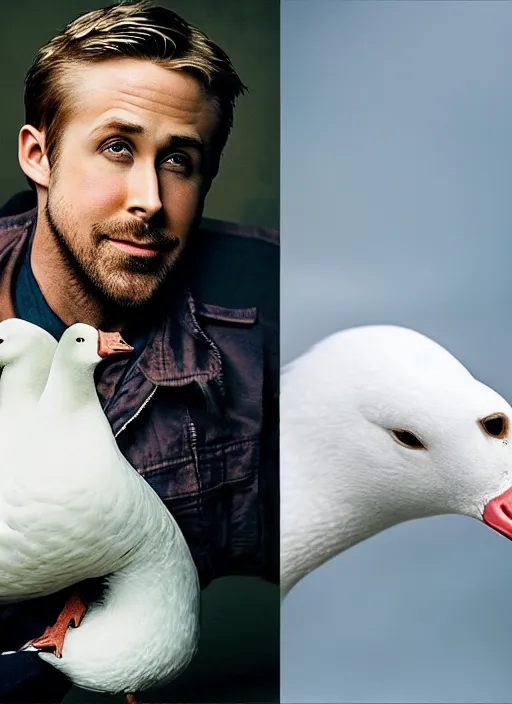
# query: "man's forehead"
x,y
145,95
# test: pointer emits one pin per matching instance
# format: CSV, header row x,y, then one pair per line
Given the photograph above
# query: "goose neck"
x,y
21,382
70,388
324,511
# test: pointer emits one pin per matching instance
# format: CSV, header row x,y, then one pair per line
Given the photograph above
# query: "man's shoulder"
x,y
245,233
20,208
13,226
15,216
237,266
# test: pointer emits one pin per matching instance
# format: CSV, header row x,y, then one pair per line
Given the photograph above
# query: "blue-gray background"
x,y
396,208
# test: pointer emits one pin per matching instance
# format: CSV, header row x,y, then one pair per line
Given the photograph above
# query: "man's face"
x,y
133,170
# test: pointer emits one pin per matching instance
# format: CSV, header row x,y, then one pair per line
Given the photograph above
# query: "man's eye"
x,y
118,148
178,162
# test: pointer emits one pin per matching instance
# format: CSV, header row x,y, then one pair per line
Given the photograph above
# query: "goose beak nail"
x,y
111,343
498,514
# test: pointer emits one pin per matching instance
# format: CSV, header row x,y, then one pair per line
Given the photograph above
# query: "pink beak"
x,y
498,514
111,343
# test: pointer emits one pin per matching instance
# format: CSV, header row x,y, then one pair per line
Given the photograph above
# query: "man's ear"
x,y
32,155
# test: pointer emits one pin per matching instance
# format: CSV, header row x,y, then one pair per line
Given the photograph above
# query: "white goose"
x,y
37,525
381,425
91,514
26,353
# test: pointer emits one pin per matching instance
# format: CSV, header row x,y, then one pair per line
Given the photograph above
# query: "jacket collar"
x,y
14,232
178,350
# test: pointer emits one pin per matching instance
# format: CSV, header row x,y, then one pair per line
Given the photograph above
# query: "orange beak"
x,y
111,343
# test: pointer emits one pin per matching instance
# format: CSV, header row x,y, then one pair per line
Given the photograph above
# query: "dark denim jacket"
x,y
197,414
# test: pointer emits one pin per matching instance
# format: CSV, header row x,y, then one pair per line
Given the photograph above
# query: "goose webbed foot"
x,y
130,699
53,637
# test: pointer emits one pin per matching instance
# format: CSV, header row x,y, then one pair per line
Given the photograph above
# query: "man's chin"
x,y
131,295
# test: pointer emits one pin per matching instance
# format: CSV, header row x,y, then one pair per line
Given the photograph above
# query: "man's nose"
x,y
144,192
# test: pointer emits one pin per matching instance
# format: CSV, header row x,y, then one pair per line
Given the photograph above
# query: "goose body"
x,y
51,532
26,354
85,512
381,425
144,631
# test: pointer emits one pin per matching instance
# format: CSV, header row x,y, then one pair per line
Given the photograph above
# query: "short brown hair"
x,y
126,30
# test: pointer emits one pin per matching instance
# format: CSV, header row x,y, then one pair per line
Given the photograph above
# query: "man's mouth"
x,y
141,249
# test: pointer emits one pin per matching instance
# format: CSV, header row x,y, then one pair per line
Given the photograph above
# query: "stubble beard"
x,y
115,279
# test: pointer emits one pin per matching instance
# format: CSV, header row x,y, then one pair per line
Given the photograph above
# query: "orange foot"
x,y
53,638
130,699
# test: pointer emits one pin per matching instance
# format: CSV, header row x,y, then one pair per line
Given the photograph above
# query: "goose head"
x,y
380,425
20,340
84,347
26,353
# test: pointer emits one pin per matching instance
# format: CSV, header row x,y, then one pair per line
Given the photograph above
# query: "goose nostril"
x,y
506,510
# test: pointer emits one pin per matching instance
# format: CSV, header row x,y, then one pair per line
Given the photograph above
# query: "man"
x,y
127,113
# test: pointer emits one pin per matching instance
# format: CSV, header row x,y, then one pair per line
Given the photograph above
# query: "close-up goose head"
x,y
381,425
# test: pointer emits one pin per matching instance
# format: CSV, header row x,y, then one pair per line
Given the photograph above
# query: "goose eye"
x,y
407,439
496,425
80,339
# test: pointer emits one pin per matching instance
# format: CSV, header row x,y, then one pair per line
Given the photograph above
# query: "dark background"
x,y
240,634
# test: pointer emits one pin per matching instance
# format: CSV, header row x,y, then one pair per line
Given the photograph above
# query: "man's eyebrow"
x,y
183,140
131,128
119,126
